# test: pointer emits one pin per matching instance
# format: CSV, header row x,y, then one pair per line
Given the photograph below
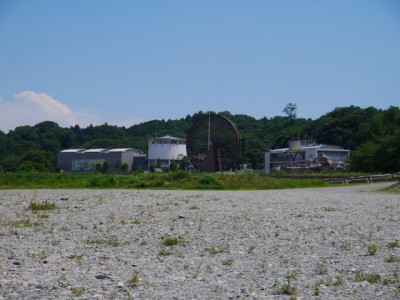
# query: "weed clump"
x,y
36,206
210,180
105,242
286,288
348,245
171,241
372,249
77,291
214,250
392,258
134,281
395,244
228,261
321,269
371,278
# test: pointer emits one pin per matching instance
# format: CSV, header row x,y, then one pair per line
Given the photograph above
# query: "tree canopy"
x,y
372,135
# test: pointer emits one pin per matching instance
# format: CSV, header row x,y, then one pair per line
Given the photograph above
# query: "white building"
x,y
306,154
166,149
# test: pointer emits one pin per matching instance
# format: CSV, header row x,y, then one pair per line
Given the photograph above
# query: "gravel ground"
x,y
330,243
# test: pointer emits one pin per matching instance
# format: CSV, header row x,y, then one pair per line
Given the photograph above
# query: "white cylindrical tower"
x,y
166,149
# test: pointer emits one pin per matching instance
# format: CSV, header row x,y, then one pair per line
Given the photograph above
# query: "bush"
x,y
103,181
208,180
178,175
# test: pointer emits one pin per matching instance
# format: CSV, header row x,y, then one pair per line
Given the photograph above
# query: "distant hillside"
x,y
372,134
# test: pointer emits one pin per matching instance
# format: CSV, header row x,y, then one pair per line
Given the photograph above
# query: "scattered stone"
x,y
120,284
262,235
103,277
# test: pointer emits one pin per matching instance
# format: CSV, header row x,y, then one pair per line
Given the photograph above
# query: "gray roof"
x,y
316,146
124,150
167,137
72,150
101,150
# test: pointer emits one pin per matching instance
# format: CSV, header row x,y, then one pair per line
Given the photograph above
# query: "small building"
x,y
82,160
163,150
306,154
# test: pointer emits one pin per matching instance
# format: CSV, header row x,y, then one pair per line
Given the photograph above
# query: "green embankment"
x,y
180,180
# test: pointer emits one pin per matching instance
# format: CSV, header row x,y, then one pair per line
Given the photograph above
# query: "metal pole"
x,y
209,125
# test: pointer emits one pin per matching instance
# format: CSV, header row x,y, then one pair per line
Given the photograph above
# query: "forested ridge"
x,y
372,135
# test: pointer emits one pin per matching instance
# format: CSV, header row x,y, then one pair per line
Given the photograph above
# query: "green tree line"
x,y
372,135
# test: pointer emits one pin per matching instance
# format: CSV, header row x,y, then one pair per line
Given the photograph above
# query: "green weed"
x,y
105,242
77,291
392,258
372,249
321,269
371,278
329,209
215,250
26,222
134,281
317,290
36,206
346,245
228,261
164,252
75,257
395,244
171,241
41,255
286,288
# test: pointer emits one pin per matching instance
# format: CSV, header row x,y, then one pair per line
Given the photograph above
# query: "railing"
x,y
361,179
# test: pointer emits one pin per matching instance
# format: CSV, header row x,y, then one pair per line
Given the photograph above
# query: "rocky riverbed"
x,y
328,243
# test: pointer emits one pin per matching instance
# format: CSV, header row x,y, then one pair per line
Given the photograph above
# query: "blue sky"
x,y
126,62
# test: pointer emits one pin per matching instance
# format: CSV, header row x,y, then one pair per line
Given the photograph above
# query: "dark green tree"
x,y
118,165
173,166
124,167
106,167
39,157
99,167
290,110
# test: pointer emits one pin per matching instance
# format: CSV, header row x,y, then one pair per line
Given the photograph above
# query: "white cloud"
x,y
47,106
30,108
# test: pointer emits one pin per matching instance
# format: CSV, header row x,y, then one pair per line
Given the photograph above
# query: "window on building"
x,y
279,157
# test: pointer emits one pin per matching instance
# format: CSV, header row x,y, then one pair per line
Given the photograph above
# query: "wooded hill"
x,y
373,136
